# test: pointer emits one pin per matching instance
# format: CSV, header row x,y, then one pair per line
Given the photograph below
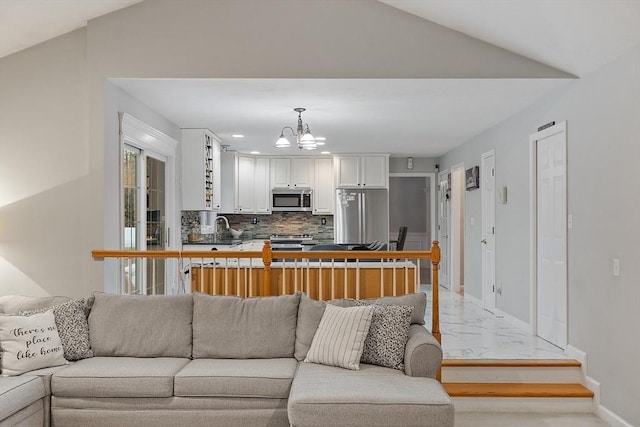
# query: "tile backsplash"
x,y
284,223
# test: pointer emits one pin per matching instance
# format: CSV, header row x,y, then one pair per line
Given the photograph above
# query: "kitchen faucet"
x,y
226,221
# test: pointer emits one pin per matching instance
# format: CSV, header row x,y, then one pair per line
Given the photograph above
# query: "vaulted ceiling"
x,y
418,117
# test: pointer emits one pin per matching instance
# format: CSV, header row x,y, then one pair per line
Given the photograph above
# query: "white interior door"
x,y
551,234
444,215
488,242
456,241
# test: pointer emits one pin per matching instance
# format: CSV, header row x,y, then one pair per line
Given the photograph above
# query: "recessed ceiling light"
x,y
325,152
237,135
320,138
255,152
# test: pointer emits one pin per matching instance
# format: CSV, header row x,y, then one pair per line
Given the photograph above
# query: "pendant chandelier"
x,y
304,139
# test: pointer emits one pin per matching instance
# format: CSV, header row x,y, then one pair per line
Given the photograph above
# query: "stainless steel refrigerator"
x,y
361,216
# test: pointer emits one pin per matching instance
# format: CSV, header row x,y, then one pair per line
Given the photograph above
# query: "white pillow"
x,y
29,342
339,339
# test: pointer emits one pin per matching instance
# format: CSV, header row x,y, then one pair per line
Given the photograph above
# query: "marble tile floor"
x,y
493,419
470,332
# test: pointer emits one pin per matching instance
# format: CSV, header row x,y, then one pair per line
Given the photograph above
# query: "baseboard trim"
x,y
611,417
608,416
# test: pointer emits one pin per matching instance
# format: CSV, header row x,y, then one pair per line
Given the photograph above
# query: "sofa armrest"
x,y
423,353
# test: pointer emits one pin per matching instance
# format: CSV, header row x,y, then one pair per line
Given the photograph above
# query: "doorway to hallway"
x,y
412,204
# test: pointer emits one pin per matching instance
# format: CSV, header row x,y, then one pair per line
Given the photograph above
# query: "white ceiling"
x,y
404,117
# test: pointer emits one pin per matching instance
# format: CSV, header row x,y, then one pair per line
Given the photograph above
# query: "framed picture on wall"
x,y
472,176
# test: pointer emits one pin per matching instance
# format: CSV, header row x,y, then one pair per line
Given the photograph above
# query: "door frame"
x,y
153,143
457,222
432,196
533,222
442,175
490,153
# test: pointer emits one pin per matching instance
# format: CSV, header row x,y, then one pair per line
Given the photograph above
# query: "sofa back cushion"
x,y
141,325
226,327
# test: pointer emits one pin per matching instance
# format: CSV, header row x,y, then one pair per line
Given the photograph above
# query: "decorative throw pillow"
x,y
73,328
339,339
29,342
387,336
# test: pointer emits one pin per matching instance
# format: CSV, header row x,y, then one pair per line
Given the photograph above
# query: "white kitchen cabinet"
x,y
245,182
280,172
292,172
370,171
261,188
302,172
323,190
246,188
201,185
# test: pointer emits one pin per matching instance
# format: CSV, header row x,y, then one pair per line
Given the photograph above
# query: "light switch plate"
x,y
616,267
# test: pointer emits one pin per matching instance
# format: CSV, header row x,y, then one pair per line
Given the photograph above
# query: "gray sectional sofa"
x,y
190,360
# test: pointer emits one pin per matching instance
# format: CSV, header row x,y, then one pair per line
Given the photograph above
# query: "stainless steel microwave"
x,y
291,200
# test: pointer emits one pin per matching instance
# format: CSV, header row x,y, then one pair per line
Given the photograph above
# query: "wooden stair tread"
x,y
516,390
507,363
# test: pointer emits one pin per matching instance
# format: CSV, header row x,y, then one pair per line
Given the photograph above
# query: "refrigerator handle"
x,y
363,218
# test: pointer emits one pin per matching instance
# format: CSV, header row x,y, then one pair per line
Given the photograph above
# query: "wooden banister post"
x,y
435,312
435,298
267,257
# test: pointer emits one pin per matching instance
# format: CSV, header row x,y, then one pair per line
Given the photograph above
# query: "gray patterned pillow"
x,y
387,336
73,328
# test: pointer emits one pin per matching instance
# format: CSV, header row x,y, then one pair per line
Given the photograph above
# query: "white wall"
x,y
603,118
44,166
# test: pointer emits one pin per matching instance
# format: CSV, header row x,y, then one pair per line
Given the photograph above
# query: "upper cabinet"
x,y
370,171
292,172
201,186
323,191
246,184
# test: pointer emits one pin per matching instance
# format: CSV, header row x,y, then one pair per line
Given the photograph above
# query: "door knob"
x,y
483,241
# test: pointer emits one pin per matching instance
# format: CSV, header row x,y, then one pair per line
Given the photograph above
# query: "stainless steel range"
x,y
288,242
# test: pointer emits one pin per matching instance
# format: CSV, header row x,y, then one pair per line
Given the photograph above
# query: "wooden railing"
x,y
321,274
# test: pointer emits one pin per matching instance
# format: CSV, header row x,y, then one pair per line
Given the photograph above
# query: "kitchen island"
x,y
326,278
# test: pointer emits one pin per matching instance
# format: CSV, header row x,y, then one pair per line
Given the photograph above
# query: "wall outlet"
x,y
254,220
323,221
616,267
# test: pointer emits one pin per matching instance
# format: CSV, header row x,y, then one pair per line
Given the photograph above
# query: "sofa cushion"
x,y
270,378
141,325
373,396
17,393
388,335
340,337
118,377
29,342
309,314
73,328
227,327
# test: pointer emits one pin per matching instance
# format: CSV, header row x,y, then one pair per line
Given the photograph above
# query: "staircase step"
x,y
503,363
511,371
517,390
